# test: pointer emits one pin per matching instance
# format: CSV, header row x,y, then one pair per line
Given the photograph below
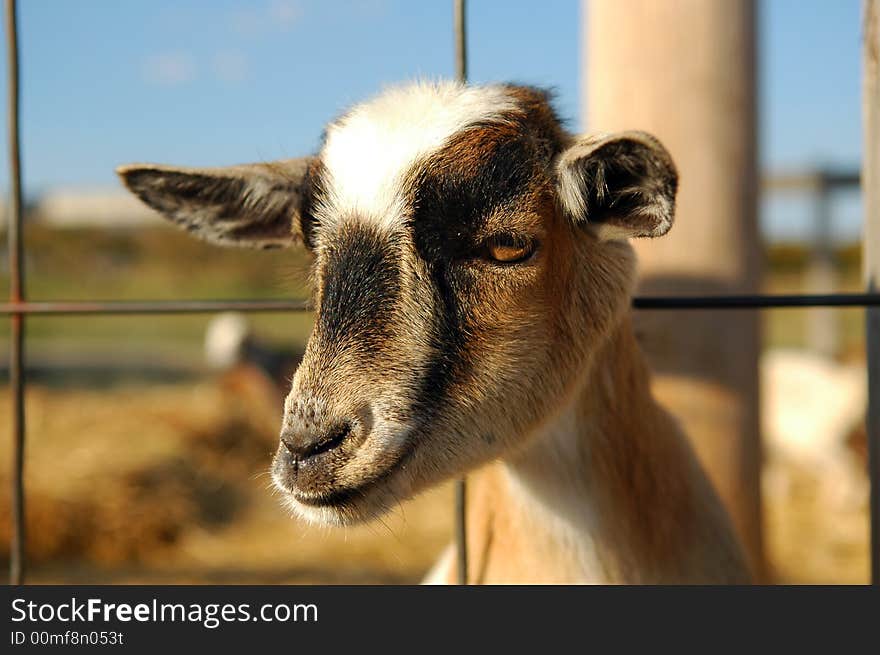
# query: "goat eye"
x,y
509,250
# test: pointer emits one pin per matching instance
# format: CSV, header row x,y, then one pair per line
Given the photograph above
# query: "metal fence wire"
x,y
18,308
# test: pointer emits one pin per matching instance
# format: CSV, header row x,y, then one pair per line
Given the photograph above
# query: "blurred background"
x,y
149,438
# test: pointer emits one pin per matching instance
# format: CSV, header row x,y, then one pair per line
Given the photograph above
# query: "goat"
x,y
472,285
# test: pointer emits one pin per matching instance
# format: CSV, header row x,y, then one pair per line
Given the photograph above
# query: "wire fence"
x,y
18,308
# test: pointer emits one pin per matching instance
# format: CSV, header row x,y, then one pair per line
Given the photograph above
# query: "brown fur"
x,y
657,519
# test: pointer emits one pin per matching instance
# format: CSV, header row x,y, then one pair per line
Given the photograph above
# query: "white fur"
x,y
370,149
611,232
560,505
439,573
570,186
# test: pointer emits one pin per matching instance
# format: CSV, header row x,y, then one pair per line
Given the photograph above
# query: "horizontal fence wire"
x,y
758,301
73,308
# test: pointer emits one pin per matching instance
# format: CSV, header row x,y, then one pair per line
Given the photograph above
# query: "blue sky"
x,y
206,82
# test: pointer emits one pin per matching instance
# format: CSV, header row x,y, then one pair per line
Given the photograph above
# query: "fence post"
x,y
871,260
685,70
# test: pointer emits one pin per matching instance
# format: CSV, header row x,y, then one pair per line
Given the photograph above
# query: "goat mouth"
x,y
349,499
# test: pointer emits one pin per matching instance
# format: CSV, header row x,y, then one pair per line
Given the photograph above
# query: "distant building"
x,y
92,208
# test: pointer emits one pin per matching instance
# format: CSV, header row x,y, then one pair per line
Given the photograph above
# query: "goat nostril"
x,y
307,448
331,441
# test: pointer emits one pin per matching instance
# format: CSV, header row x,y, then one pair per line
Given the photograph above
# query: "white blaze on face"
x,y
370,149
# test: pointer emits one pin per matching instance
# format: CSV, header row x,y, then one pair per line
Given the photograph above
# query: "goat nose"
x,y
305,444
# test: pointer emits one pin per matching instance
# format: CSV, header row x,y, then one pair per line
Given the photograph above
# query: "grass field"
x,y
155,470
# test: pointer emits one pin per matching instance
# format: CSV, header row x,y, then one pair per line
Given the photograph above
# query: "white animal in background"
x,y
810,407
230,345
226,339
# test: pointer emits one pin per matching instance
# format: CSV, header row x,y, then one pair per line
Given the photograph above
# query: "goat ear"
x,y
620,185
253,205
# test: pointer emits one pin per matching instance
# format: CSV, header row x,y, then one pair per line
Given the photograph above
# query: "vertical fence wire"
x,y
871,260
459,27
16,295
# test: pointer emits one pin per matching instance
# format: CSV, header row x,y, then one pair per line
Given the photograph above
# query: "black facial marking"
x,y
452,199
450,203
447,345
360,286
